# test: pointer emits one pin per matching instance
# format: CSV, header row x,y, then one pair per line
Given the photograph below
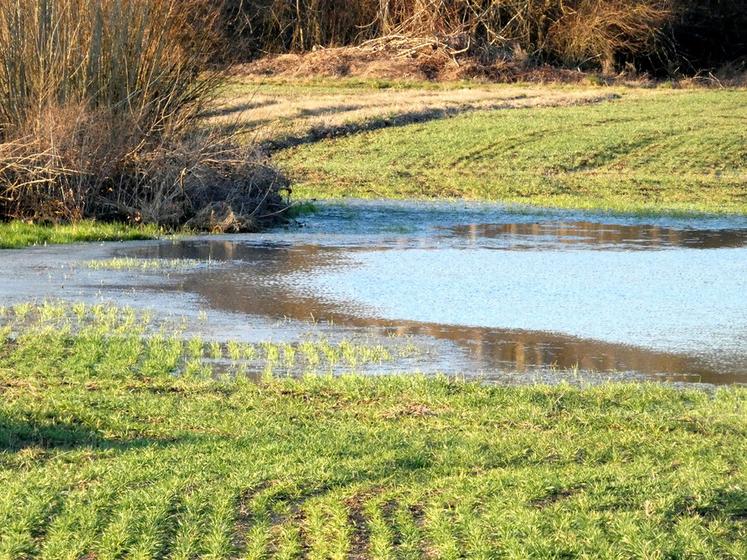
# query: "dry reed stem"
x,y
572,31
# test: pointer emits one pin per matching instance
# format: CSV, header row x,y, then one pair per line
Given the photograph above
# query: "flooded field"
x,y
510,295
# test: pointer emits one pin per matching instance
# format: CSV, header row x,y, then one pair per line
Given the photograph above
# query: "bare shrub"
x,y
571,31
602,31
207,182
98,105
76,163
61,160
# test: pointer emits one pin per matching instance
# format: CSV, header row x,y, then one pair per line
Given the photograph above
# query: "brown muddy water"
x,y
505,294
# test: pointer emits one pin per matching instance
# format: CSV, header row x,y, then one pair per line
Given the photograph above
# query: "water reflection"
x,y
600,236
259,284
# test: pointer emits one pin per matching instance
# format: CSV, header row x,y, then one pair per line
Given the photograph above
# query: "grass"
x,y
280,113
16,234
105,453
144,265
657,151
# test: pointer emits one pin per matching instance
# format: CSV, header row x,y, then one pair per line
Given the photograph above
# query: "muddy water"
x,y
510,295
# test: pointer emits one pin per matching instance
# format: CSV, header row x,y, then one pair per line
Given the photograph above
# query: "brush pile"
x,y
589,34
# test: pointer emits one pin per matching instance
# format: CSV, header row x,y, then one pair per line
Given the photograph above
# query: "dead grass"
x,y
282,114
401,58
98,106
594,32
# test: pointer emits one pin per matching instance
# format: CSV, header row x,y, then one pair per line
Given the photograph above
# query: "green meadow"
x,y
677,151
647,151
16,234
125,435
114,444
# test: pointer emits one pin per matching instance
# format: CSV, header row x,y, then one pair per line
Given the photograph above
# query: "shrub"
x,y
92,94
659,35
127,56
706,34
565,30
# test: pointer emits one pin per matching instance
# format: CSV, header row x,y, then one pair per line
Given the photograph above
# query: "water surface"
x,y
505,294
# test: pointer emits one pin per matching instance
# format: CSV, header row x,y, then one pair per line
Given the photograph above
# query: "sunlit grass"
x,y
130,263
14,235
280,113
175,352
112,445
679,151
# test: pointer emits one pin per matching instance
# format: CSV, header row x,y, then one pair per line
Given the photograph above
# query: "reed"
x,y
569,31
98,105
126,56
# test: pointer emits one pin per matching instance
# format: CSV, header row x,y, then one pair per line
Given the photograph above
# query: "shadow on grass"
x,y
17,434
320,132
232,109
417,116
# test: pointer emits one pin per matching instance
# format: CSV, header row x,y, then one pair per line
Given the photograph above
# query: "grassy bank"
x,y
15,235
677,151
103,453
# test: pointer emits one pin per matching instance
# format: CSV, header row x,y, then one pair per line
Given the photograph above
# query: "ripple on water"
x,y
497,292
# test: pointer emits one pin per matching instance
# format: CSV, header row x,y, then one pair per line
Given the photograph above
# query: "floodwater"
x,y
505,294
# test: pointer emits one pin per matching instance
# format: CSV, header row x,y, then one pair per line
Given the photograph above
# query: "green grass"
x,y
677,151
144,265
14,235
324,85
104,453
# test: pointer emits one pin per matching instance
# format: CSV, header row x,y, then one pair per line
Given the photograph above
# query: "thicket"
x,y
99,105
706,34
663,35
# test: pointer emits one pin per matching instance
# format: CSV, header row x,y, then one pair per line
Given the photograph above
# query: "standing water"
x,y
505,294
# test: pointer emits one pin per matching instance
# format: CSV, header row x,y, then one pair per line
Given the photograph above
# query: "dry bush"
x,y
570,31
603,31
77,163
98,105
209,183
59,163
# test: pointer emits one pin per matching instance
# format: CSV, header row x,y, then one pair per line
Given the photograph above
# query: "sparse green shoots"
x,y
144,265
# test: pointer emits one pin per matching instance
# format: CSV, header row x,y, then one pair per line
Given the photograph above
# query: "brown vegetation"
x,y
597,34
397,58
98,102
572,31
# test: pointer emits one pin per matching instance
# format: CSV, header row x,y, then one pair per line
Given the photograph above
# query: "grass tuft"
x,y
143,265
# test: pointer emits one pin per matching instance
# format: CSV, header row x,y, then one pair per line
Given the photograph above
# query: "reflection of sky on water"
x,y
485,289
676,300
